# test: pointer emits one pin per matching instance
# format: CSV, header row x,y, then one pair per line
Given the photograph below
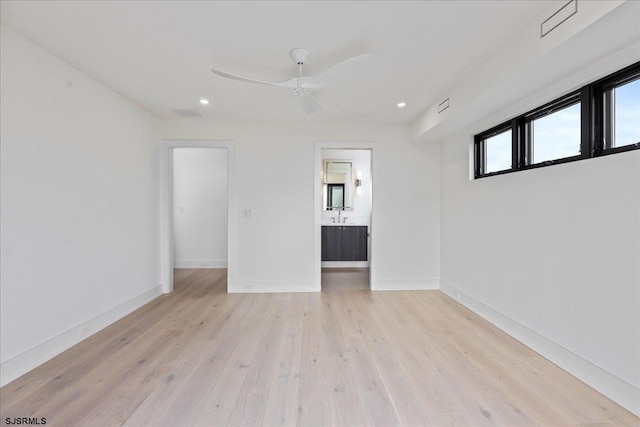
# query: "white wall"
x,y
552,255
556,251
79,206
275,178
200,207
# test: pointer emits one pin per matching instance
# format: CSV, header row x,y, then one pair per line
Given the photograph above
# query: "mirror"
x,y
337,191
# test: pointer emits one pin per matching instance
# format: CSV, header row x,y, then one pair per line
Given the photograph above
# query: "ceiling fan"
x,y
302,86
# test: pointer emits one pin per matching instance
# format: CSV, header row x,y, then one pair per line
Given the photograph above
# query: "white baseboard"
x,y
405,285
272,287
21,364
616,389
200,263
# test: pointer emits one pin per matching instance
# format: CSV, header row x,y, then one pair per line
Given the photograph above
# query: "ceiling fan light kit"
x,y
302,86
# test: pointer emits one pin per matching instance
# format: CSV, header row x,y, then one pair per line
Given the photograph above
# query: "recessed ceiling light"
x,y
402,104
204,101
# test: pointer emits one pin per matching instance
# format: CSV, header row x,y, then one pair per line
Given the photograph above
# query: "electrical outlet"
x,y
246,213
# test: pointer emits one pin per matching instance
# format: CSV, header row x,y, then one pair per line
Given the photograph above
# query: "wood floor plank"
x,y
427,374
69,374
475,397
117,408
314,408
528,400
252,400
221,397
343,390
166,400
101,383
374,397
410,408
200,356
282,403
16,391
183,397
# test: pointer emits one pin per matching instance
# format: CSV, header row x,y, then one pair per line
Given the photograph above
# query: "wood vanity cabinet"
x,y
344,243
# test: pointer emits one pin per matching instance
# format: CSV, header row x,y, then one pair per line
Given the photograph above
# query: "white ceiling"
x,y
158,54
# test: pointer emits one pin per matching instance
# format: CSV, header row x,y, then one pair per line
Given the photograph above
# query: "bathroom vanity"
x,y
344,242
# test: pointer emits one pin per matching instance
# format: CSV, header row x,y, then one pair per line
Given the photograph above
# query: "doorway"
x,y
199,208
344,217
195,232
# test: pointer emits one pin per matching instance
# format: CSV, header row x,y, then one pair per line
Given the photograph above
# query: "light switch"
x,y
246,213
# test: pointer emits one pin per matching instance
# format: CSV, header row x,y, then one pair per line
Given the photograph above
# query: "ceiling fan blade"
x,y
337,73
309,104
287,83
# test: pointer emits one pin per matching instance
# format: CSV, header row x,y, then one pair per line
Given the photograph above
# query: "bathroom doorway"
x,y
345,208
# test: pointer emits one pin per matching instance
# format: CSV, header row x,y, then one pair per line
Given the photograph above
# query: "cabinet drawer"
x,y
344,243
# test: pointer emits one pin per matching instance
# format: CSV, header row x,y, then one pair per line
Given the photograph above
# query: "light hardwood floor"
x,y
203,357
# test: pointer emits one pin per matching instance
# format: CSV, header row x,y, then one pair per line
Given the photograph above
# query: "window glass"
x,y
626,114
498,152
556,135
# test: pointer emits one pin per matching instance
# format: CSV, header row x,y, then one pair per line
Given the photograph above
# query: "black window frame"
x,y
600,89
569,100
480,153
593,117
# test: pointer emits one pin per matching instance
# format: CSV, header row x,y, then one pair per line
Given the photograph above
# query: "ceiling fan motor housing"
x,y
299,55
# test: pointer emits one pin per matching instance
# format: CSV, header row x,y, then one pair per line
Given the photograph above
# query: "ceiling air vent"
x,y
561,15
186,112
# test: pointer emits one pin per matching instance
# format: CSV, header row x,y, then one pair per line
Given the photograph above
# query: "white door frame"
x,y
317,208
166,207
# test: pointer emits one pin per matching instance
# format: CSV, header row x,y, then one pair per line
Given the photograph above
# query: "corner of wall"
x,y
621,392
19,365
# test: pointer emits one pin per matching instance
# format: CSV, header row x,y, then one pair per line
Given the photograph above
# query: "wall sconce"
x,y
358,183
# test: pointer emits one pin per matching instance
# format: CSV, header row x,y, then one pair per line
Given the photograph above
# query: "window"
x,y
622,114
498,152
554,133
494,150
601,118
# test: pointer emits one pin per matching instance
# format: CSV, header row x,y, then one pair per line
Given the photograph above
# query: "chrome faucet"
x,y
339,216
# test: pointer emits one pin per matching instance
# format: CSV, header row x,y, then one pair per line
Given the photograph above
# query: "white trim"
x,y
616,389
317,195
166,208
273,287
200,263
24,362
406,285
